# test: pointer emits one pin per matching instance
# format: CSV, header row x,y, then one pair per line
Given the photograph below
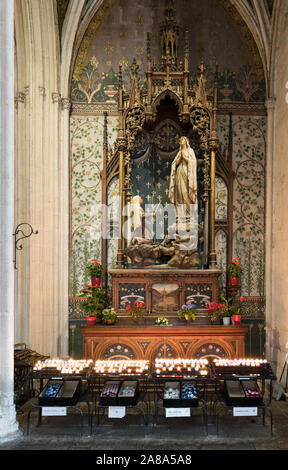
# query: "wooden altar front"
x,y
149,341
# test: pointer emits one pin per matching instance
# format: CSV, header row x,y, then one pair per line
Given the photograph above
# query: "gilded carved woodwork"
x,y
139,110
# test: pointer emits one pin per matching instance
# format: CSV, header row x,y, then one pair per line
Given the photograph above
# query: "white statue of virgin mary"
x,y
183,177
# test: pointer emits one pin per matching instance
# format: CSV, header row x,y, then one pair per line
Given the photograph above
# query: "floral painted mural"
x,y
249,145
249,200
86,141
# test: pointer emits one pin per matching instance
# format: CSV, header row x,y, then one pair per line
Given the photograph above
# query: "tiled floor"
x,y
129,433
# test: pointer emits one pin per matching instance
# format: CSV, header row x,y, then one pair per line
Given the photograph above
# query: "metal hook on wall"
x,y
20,231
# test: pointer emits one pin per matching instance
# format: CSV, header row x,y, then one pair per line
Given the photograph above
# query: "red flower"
x,y
241,299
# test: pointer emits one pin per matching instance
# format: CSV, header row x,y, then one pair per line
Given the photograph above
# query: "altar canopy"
x,y
149,164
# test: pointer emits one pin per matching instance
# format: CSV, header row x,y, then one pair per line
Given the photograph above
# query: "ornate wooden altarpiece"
x,y
167,102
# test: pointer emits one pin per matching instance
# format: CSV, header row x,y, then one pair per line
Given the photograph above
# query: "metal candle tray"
x,y
60,392
263,371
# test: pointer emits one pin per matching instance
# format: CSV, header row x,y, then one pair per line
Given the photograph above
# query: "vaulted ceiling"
x,y
257,15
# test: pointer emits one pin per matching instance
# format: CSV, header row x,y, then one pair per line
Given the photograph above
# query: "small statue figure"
x,y
140,227
183,177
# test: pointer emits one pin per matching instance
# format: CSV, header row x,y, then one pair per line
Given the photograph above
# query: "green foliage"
x,y
95,302
109,314
187,312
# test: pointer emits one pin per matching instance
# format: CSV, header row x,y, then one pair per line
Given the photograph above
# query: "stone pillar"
x,y
8,423
64,221
42,177
270,105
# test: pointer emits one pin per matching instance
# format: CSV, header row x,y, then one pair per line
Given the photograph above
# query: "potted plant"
x,y
94,270
95,301
137,310
109,316
237,312
235,271
217,311
187,312
161,321
227,313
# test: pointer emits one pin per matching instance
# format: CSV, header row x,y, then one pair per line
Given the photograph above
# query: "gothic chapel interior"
x,y
96,96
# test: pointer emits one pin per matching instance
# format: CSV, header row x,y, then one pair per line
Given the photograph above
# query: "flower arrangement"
x,y
235,269
136,309
161,321
95,300
225,308
217,310
187,312
109,316
94,269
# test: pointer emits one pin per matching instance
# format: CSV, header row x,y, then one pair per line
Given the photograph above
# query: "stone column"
x,y
270,105
64,221
8,423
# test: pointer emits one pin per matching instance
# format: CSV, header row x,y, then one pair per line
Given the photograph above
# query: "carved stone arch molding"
x,y
70,31
279,20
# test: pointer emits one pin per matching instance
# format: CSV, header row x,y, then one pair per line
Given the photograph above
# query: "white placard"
x,y
177,412
116,411
245,411
54,411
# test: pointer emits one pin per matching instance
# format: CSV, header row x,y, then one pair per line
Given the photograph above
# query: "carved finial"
x,y
186,46
105,132
202,67
216,76
200,95
169,33
134,68
120,78
148,46
134,92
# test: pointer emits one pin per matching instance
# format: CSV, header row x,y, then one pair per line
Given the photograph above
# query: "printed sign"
x,y
177,412
244,411
116,411
54,411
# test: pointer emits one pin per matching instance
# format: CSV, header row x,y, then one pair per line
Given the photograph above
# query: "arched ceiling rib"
x,y
255,14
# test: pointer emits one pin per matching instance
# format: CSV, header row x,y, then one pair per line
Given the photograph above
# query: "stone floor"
x,y
172,434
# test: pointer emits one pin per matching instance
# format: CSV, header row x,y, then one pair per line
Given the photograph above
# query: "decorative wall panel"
x,y
249,146
86,141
